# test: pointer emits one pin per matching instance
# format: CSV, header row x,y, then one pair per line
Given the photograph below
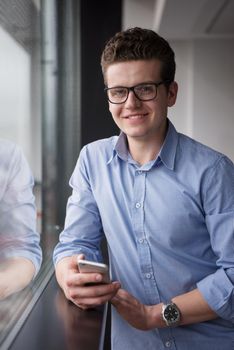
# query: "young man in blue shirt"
x,y
165,204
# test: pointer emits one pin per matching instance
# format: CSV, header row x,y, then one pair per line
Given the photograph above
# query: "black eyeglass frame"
x,y
132,88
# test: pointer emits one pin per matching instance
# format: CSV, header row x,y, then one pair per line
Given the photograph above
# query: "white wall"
x,y
182,113
14,92
20,112
205,108
138,13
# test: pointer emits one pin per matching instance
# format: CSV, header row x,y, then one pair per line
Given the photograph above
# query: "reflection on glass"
x,y
20,253
20,157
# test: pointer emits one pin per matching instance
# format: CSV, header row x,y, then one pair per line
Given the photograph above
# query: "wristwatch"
x,y
171,314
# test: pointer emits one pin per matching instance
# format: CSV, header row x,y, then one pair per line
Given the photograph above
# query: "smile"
x,y
135,116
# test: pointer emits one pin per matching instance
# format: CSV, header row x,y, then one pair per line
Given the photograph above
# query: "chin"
x,y
135,135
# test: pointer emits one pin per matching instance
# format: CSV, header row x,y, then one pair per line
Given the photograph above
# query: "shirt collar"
x,y
120,148
166,155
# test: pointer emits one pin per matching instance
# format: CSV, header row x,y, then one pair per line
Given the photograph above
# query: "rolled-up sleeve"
x,y
83,231
218,288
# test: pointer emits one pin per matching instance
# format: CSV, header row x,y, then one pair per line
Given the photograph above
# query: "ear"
x,y
172,94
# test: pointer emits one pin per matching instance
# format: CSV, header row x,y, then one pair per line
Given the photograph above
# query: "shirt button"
x,y
139,172
141,240
168,344
138,205
148,275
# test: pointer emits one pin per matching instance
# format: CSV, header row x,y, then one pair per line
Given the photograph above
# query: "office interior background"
x,y
51,88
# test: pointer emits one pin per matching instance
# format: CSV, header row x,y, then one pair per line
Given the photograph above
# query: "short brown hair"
x,y
139,44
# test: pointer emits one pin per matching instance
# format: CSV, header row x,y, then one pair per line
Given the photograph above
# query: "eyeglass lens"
x,y
143,92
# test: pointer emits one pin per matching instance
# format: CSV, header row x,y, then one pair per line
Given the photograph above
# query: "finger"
x,y
124,299
72,264
93,301
96,290
89,278
92,295
83,279
115,301
123,294
79,257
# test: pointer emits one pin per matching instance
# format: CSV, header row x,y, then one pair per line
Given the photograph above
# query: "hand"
x,y
74,284
15,274
135,313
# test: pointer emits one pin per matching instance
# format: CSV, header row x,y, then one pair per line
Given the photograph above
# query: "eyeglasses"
x,y
144,92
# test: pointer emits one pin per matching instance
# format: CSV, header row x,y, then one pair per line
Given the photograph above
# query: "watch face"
x,y
171,313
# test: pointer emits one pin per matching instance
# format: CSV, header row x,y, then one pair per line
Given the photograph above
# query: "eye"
x,y
117,92
145,89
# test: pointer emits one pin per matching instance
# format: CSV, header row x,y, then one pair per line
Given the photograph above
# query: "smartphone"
x,y
86,266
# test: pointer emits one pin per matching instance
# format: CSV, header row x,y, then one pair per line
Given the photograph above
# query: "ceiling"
x,y
182,19
21,20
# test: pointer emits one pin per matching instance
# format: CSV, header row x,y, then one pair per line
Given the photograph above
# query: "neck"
x,y
143,152
146,148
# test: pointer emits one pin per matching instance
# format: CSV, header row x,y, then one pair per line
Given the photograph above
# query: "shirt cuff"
x,y
89,255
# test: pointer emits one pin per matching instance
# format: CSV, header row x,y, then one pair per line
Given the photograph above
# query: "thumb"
x,y
73,262
79,257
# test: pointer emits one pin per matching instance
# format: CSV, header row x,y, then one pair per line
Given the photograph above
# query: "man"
x,y
165,204
20,252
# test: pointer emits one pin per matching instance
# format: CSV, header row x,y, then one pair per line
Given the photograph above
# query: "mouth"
x,y
135,116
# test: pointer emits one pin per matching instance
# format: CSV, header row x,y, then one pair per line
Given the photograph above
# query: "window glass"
x,y
20,161
39,139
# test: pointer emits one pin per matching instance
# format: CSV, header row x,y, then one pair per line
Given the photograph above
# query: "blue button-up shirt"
x,y
169,225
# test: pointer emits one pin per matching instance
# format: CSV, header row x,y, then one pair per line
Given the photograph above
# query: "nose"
x,y
132,100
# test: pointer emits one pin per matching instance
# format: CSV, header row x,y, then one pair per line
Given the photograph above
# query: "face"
x,y
140,120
